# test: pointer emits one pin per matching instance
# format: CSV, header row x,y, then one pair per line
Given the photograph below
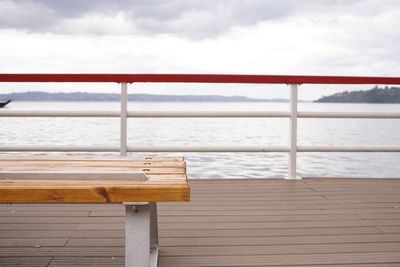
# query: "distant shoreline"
x,y
104,97
166,101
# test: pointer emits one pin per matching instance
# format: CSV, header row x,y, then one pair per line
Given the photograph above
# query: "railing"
x,y
124,114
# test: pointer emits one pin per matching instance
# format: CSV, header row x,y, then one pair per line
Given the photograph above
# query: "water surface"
x,y
227,132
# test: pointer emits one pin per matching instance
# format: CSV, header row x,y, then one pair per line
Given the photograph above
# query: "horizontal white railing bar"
x,y
147,114
207,114
348,148
349,115
48,148
215,149
66,148
199,114
50,113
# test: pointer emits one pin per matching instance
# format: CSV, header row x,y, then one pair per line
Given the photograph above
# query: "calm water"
x,y
224,131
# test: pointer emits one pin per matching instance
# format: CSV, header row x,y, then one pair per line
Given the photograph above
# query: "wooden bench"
x,y
138,183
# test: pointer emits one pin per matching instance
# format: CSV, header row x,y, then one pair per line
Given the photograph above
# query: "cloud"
x,y
323,37
25,15
193,19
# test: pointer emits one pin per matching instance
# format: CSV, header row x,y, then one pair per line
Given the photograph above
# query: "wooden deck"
x,y
313,222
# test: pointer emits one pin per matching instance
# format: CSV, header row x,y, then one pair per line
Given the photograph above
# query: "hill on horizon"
x,y
375,95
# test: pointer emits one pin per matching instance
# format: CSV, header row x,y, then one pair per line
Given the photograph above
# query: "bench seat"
x,y
166,181
138,183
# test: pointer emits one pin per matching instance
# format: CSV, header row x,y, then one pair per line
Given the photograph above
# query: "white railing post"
x,y
293,132
124,118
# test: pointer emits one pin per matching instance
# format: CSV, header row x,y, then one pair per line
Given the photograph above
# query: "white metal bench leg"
x,y
141,234
153,234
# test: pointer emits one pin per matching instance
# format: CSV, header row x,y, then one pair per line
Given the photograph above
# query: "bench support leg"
x,y
141,235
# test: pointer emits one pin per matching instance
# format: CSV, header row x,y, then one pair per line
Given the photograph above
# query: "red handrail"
x,y
198,78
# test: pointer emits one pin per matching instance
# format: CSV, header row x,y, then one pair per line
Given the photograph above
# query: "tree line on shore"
x,y
375,95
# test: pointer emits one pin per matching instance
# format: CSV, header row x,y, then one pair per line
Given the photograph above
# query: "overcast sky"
x,y
327,37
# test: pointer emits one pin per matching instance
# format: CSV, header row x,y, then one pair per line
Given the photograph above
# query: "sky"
x,y
288,37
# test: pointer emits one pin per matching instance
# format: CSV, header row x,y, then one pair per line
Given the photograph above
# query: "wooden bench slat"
x,y
37,183
139,164
145,170
91,158
63,193
75,161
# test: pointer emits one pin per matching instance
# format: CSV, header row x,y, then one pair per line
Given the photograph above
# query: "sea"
x,y
224,132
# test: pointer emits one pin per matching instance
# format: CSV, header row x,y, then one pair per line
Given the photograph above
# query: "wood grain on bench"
x,y
166,181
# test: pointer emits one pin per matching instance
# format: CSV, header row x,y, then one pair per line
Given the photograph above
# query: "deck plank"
x,y
25,261
232,222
